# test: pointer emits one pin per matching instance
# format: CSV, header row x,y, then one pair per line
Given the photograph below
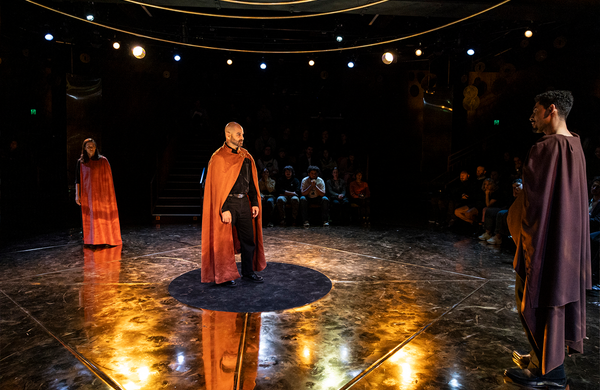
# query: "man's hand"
x,y
465,196
254,211
340,196
78,201
226,217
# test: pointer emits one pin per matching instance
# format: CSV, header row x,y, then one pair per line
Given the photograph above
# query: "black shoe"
x,y
230,283
253,278
526,378
521,359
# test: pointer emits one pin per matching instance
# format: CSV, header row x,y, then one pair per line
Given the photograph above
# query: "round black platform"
x,y
285,286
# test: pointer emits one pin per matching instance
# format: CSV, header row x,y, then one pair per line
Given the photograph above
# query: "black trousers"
x,y
241,218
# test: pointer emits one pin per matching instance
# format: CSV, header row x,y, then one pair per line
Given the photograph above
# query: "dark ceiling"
x,y
365,28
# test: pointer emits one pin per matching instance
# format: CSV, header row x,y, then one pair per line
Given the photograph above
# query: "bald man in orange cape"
x,y
231,217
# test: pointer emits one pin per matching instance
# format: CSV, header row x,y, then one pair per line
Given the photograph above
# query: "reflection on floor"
x,y
409,309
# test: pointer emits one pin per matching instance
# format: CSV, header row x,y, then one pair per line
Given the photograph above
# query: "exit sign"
x,y
496,122
33,111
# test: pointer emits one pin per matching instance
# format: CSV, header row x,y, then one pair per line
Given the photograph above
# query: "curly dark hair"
x,y
313,168
84,158
562,100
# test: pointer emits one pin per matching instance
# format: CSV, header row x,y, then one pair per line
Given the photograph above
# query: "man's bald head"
x,y
234,135
232,127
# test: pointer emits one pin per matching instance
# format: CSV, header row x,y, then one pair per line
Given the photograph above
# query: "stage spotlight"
x,y
470,52
350,64
528,33
263,66
229,62
90,17
387,58
311,63
139,52
177,57
339,38
49,37
418,52
116,45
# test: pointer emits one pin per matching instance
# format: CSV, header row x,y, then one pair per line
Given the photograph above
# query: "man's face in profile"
x,y
464,176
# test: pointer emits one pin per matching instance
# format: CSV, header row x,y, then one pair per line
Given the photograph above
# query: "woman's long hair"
x,y
84,158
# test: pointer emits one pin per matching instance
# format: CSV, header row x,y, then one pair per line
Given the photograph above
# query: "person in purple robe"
x,y
549,223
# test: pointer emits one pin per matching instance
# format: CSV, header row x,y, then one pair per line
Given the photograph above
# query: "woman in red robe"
x,y
95,194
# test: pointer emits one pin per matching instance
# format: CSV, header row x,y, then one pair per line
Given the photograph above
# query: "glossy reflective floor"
x,y
410,309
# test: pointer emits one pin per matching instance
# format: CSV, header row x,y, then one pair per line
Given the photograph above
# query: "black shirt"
x,y
244,183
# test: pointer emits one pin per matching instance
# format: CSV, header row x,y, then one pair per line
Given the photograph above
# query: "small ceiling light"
x,y
116,45
49,37
311,63
229,62
470,52
89,17
263,66
387,58
418,52
528,33
177,57
350,64
139,52
339,38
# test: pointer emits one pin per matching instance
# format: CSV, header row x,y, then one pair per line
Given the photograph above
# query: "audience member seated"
x,y
336,192
306,160
288,189
266,185
313,193
263,141
342,148
495,220
348,167
360,194
286,141
488,196
283,158
304,142
595,230
517,172
323,143
480,173
326,163
460,194
267,160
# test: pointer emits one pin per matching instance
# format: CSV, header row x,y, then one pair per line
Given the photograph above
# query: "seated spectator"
x,y
286,141
313,192
481,173
283,159
469,213
348,167
306,160
288,189
595,229
336,191
263,141
360,194
323,143
495,220
267,160
326,164
517,172
305,141
459,195
266,185
342,148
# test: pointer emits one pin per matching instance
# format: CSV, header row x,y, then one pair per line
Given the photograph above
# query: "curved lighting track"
x,y
272,51
268,4
257,17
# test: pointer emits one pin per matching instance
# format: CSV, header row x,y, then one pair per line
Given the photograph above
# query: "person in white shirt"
x,y
312,190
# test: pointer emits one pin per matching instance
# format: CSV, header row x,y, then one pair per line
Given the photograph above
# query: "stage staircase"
x,y
181,197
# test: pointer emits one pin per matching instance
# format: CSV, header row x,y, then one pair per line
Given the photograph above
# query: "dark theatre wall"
x,y
141,111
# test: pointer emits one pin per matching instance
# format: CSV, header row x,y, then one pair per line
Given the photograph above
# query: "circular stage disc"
x,y
285,286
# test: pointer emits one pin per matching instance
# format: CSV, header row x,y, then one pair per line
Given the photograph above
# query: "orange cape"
x,y
219,240
99,204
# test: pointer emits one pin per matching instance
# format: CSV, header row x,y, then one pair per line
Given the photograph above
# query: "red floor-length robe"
x,y
98,204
